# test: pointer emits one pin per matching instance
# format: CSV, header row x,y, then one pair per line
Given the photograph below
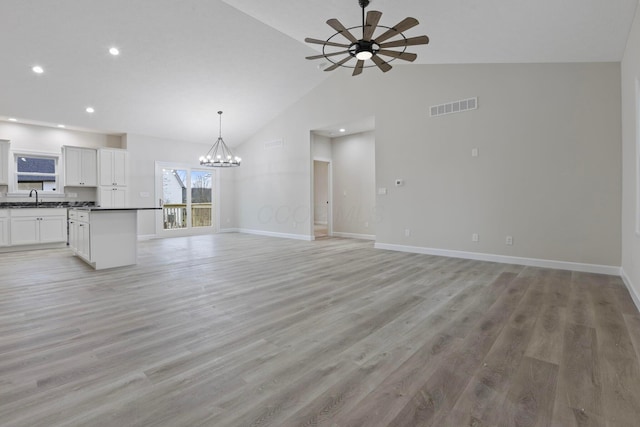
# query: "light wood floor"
x,y
238,330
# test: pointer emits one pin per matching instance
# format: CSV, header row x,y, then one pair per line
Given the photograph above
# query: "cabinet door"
x,y
72,173
106,167
4,162
105,197
89,167
73,235
53,229
119,198
84,242
120,164
4,231
24,231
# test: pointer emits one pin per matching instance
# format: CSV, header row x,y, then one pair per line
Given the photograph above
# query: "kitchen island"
x,y
105,237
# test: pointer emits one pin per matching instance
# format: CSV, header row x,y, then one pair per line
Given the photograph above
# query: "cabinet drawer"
x,y
4,213
83,216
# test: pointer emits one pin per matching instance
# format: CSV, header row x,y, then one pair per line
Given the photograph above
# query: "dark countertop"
x,y
64,205
99,209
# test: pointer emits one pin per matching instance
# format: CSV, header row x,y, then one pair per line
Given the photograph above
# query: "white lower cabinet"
x,y
4,227
104,238
37,226
79,234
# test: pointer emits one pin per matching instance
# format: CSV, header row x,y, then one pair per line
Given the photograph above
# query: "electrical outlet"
x,y
475,237
366,224
407,232
509,240
474,152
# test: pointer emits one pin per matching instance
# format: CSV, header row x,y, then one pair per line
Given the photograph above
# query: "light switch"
x,y
382,191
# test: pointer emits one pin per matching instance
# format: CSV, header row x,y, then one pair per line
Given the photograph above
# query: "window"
x,y
35,171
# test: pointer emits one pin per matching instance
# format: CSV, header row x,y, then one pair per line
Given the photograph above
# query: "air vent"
x,y
273,144
454,107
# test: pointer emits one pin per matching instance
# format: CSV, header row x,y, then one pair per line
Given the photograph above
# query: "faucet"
x,y
31,194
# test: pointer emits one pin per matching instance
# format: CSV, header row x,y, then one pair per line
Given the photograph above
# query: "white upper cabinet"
x,y
4,162
80,167
114,167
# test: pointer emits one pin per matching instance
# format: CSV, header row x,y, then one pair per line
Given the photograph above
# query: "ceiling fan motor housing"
x,y
364,46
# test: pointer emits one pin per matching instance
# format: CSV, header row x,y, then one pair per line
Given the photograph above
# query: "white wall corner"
x,y
634,295
275,234
531,262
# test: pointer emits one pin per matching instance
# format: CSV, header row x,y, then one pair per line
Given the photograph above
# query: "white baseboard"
x,y
229,230
147,236
320,223
634,295
354,235
275,234
532,262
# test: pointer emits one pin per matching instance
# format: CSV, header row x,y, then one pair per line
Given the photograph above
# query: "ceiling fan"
x,y
368,47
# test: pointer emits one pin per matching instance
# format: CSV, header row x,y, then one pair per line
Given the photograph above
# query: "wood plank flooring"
x,y
239,330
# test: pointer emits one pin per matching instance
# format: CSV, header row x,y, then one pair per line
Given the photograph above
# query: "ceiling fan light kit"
x,y
368,47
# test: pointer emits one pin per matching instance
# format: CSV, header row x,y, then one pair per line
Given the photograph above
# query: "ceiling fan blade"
x,y
339,63
358,69
373,17
336,25
381,63
411,41
327,54
406,56
325,42
400,27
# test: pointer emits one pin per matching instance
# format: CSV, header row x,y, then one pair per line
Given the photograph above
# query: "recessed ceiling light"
x,y
90,110
37,69
61,126
342,130
114,51
11,119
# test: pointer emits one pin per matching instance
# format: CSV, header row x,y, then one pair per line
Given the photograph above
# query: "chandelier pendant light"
x,y
368,47
219,155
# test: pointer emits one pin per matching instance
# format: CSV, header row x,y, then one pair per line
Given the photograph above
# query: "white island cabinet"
x,y
104,238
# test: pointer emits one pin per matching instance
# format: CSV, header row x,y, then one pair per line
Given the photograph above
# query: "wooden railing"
x,y
175,215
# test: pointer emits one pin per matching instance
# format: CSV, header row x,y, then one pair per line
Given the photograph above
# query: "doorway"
x,y
322,198
186,196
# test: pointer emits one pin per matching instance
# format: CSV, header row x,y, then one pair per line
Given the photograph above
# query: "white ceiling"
x,y
182,61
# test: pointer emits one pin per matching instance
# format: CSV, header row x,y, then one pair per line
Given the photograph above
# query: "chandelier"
x,y
219,155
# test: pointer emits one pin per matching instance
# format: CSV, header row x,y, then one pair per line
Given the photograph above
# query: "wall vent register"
x,y
454,107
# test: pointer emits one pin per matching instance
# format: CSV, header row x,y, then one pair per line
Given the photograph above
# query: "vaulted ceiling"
x,y
182,61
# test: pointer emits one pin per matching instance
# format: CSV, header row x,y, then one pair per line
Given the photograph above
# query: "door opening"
x,y
321,202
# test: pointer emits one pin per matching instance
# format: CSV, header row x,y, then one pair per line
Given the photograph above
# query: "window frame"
x,y
13,182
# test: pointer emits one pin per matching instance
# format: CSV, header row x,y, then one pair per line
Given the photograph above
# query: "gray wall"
x,y
548,173
630,160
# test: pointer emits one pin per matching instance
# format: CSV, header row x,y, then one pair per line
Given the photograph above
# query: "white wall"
x,y
354,186
144,151
548,174
630,141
